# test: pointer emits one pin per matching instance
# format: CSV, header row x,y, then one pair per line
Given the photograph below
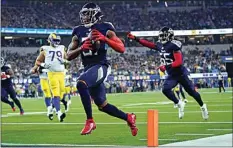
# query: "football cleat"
x,y
204,111
50,116
185,101
61,117
175,106
13,109
131,121
21,111
181,105
89,127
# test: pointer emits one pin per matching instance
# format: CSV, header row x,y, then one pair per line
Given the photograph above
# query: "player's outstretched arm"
x,y
143,42
73,50
111,39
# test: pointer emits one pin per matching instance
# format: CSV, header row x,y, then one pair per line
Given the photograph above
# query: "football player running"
x,y
91,40
7,87
172,63
52,59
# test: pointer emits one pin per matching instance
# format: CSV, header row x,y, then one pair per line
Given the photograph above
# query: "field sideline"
x,y
35,128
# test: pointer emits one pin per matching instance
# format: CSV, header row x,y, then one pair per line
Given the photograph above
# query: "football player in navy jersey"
x,y
91,40
172,63
7,87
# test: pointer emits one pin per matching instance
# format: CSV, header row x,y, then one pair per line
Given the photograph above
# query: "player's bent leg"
x,y
189,88
167,91
54,84
13,96
99,96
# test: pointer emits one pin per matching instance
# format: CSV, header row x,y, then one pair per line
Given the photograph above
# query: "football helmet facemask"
x,y
166,34
90,14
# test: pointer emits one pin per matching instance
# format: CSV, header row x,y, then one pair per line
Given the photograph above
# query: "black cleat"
x,y
50,116
62,117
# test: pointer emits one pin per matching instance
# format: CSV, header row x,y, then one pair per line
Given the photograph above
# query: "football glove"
x,y
87,45
98,36
130,36
44,65
162,68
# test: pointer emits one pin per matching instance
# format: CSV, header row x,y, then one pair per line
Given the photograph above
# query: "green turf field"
x,y
36,128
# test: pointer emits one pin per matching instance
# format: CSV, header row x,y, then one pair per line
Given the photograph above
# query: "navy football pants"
x,y
94,78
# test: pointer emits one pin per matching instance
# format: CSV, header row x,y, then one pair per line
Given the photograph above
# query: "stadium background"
x,y
26,25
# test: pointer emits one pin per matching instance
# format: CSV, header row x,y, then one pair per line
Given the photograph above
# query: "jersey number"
x,y
89,53
58,54
165,60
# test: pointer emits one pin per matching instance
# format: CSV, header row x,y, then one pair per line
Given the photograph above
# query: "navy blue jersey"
x,y
7,82
95,56
166,52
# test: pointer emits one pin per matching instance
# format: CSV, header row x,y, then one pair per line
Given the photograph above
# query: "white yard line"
x,y
214,141
65,145
105,123
220,129
191,134
72,113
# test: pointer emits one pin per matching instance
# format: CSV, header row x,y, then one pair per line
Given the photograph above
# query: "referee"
x,y
220,82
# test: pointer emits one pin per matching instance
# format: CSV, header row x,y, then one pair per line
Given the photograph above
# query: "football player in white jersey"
x,y
52,58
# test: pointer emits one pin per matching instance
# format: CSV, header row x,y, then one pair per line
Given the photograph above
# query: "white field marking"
x,y
153,103
65,145
220,129
191,134
106,123
161,139
71,113
165,106
214,141
214,92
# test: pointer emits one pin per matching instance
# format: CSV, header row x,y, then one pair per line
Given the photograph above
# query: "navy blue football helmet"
x,y
166,34
90,14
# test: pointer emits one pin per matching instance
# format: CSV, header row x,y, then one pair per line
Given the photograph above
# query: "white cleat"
x,y
186,101
50,112
204,111
69,102
181,105
175,106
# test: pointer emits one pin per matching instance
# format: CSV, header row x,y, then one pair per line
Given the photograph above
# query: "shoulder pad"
x,y
76,29
177,43
109,26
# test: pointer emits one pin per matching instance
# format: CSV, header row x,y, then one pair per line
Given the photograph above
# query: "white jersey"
x,y
52,56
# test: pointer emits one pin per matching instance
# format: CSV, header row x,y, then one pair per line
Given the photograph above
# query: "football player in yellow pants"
x,y
52,58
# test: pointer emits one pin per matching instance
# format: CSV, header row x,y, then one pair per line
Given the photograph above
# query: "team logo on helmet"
x,y
54,39
90,14
166,34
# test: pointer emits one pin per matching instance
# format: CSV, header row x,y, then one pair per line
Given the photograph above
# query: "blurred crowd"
x,y
125,16
196,60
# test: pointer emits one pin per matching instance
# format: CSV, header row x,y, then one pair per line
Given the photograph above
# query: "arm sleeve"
x,y
178,58
147,43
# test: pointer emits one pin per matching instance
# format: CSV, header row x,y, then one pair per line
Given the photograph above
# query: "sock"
x,y
69,96
182,94
197,97
64,102
47,101
114,111
17,102
56,103
85,97
178,94
170,95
